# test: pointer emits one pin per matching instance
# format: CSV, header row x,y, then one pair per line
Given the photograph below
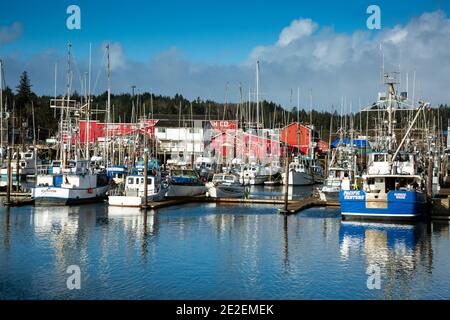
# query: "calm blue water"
x,y
210,251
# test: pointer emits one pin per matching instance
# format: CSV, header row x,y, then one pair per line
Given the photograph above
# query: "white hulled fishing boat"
x,y
299,174
133,194
76,184
225,185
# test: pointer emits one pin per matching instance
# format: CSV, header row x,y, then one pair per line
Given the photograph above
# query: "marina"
x,y
130,255
225,151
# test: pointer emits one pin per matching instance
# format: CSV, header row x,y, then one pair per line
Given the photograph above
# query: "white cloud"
x,y
331,63
116,55
10,33
296,30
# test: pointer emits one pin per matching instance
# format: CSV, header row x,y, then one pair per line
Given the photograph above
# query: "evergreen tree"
x,y
23,98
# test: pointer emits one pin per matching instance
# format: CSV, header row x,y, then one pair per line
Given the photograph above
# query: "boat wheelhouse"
x,y
76,184
133,193
225,185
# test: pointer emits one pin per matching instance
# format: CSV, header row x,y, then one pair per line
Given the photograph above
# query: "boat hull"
x,y
398,205
226,192
329,196
134,201
57,196
185,190
299,179
253,180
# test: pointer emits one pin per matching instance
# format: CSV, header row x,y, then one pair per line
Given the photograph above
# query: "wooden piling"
x,y
430,178
145,180
17,169
9,186
284,210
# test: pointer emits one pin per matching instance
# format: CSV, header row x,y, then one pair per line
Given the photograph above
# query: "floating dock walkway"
x,y
294,206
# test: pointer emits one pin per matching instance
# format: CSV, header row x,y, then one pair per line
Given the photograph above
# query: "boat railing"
x,y
43,169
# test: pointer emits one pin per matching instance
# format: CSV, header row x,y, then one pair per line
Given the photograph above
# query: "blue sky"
x,y
213,31
198,34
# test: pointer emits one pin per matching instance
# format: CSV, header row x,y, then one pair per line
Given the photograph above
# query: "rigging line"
x,y
77,70
99,72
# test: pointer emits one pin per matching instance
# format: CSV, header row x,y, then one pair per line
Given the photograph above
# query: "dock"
x,y
440,208
311,202
294,206
19,202
17,194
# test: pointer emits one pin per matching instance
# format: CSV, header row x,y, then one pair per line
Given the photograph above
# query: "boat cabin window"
x,y
402,158
333,183
379,158
71,164
130,180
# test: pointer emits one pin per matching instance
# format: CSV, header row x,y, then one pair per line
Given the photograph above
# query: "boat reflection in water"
x,y
399,250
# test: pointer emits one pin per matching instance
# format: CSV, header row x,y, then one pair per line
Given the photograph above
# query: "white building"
x,y
180,139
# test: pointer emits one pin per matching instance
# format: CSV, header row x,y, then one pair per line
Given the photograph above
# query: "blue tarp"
x,y
357,143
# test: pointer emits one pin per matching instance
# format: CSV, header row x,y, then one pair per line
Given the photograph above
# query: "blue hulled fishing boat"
x,y
392,185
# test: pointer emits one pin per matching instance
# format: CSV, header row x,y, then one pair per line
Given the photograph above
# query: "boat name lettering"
x,y
353,195
400,196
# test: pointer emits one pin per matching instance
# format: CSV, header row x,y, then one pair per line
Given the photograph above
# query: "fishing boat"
x,y
117,173
341,171
185,183
255,174
76,184
392,186
338,179
133,193
299,174
225,186
205,166
27,163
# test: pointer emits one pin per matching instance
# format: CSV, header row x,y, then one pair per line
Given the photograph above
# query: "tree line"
x,y
126,107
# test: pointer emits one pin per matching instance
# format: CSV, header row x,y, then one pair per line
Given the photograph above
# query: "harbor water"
x,y
216,251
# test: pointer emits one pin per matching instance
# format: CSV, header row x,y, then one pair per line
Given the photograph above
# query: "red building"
x,y
96,131
298,135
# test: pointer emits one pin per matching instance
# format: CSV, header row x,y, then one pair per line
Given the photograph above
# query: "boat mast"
x,y
108,107
88,106
257,107
63,155
311,149
1,108
298,122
